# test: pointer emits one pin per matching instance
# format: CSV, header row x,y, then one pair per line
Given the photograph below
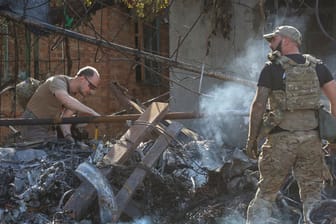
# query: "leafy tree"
x,y
146,8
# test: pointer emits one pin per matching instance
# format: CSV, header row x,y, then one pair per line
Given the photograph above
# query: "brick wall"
x,y
113,24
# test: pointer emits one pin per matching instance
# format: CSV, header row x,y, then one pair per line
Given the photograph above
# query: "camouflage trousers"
x,y
283,153
37,132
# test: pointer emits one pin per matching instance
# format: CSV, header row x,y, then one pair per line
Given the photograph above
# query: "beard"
x,y
279,46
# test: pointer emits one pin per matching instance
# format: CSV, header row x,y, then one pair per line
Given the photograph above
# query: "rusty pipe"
x,y
92,119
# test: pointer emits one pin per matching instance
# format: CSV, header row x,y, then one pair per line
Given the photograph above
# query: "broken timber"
x,y
162,142
85,194
120,93
132,138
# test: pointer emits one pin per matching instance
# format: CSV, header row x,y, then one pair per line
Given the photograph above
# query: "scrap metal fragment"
x,y
323,212
107,204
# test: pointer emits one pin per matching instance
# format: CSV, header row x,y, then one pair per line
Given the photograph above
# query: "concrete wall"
x,y
242,53
229,55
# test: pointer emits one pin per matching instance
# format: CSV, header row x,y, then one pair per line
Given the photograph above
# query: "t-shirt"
x,y
272,75
44,103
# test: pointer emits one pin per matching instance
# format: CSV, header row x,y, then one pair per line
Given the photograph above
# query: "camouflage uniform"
x,y
297,148
282,153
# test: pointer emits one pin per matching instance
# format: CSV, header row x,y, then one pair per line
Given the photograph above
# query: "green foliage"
x,y
88,2
146,8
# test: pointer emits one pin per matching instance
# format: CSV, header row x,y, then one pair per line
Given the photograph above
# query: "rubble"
x,y
35,183
39,179
191,182
157,172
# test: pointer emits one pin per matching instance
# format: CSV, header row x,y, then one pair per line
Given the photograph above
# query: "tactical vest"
x,y
295,107
25,90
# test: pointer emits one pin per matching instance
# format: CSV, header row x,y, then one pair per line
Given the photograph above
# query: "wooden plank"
x,y
85,194
125,100
162,142
132,138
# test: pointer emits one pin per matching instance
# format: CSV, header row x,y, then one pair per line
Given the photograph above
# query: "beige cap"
x,y
287,31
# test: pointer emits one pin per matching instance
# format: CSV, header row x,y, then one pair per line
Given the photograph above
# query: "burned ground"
x,y
179,188
36,182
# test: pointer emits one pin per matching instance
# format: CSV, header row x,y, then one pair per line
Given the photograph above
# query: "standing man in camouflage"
x,y
290,83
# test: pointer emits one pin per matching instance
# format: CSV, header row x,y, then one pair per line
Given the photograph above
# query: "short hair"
x,y
87,71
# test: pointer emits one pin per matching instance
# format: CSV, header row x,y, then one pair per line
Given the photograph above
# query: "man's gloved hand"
x,y
252,148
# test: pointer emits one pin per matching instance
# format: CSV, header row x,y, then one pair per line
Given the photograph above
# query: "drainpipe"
x,y
36,57
27,53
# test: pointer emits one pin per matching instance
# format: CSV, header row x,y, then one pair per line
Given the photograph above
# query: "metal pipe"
x,y
92,119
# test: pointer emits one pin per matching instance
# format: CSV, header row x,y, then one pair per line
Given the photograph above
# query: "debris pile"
x,y
34,182
157,169
37,182
192,181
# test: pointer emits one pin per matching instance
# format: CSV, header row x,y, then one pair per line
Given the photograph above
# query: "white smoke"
x,y
143,220
233,218
248,63
299,22
226,114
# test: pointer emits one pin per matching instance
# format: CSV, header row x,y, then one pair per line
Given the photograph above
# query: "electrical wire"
x,y
179,153
186,35
319,22
99,36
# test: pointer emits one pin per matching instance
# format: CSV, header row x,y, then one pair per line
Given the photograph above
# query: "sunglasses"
x,y
91,86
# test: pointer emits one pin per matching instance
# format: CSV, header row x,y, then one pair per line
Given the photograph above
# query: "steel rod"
x,y
91,119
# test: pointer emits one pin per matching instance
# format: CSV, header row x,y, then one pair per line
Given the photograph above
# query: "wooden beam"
x,y
136,133
126,102
82,198
162,142
85,194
